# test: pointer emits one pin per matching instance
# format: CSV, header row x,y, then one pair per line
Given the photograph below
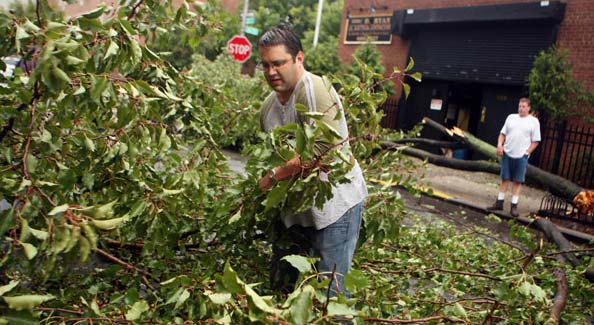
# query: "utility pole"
x,y
246,4
318,22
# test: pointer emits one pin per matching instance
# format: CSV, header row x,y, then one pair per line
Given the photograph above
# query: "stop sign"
x,y
240,47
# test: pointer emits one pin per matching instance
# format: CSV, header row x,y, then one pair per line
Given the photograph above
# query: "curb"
x,y
569,233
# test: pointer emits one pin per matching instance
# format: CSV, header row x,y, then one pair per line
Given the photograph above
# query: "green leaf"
x,y
58,209
111,50
108,224
89,144
21,317
60,74
95,13
30,250
219,298
137,309
26,301
6,288
335,308
31,163
299,262
39,234
301,306
30,26
235,217
24,183
136,51
259,302
21,33
230,279
182,298
355,281
72,60
410,65
406,88
54,25
417,76
98,86
7,221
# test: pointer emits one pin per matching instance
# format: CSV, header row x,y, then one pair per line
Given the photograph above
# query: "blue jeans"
x,y
334,245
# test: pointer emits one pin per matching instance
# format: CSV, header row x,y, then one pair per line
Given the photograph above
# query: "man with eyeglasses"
x,y
329,233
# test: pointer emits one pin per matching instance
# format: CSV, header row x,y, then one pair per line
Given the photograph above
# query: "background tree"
x,y
368,55
554,89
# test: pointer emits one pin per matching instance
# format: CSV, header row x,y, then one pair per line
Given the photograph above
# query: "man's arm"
x,y
532,147
500,142
280,173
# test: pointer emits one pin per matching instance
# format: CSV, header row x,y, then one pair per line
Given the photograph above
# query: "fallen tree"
x,y
582,198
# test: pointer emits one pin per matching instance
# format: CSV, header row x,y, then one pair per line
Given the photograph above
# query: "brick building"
x,y
475,55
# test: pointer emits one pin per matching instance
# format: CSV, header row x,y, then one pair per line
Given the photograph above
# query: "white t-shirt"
x,y
519,133
318,95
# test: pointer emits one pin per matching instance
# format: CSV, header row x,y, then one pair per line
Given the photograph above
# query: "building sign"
x,y
436,104
376,29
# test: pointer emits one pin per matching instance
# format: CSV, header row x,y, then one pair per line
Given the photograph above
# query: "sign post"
x,y
240,48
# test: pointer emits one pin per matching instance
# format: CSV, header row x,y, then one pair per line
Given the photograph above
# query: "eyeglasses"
x,y
277,64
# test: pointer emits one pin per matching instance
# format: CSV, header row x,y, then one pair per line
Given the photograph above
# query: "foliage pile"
x,y
122,210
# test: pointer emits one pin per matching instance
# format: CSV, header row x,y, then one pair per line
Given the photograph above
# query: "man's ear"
x,y
299,57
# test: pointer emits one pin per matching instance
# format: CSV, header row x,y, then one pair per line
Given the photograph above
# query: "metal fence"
x,y
390,107
568,151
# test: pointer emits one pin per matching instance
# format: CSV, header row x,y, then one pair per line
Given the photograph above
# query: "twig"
x,y
61,310
530,257
415,321
481,275
561,294
325,311
133,12
46,196
39,22
119,261
99,319
569,251
489,316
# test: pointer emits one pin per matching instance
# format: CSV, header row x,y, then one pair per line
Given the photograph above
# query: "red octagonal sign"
x,y
240,47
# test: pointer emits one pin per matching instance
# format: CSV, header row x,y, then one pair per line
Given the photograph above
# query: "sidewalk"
x,y
477,188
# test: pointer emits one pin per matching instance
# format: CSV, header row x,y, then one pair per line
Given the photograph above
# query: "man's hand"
x,y
500,150
290,169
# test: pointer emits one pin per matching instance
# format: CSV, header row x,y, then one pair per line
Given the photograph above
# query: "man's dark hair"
x,y
281,35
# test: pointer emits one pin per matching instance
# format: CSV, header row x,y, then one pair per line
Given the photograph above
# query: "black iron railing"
x,y
567,151
555,207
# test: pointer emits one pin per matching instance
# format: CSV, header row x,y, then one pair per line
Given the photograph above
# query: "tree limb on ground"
x,y
547,227
583,199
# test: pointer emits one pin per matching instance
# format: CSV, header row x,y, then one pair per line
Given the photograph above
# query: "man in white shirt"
x,y
329,233
518,138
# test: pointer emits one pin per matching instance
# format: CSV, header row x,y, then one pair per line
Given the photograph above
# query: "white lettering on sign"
x,y
239,49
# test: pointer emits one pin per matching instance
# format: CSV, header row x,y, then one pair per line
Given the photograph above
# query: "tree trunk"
x,y
470,165
557,185
429,142
560,298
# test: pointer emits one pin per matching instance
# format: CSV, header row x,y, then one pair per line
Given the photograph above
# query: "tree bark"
x,y
560,299
430,142
470,165
554,235
557,185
